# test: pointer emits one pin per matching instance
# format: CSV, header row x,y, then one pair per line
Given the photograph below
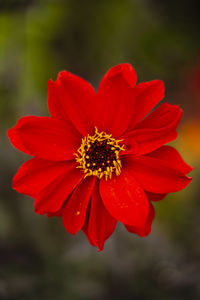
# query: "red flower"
x,y
100,157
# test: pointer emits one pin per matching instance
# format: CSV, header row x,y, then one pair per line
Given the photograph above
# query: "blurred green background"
x,y
39,38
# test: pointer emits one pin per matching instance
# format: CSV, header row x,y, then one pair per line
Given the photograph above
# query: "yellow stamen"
x,y
102,153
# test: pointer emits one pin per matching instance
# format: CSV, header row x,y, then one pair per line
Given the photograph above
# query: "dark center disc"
x,y
100,155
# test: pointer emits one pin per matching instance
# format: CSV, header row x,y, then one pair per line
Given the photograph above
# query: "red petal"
x,y
115,100
124,199
162,117
146,229
72,98
172,157
16,140
155,175
52,197
147,96
156,130
35,174
85,227
155,197
45,138
100,224
74,212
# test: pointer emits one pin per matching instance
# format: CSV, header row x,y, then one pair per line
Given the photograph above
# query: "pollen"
x,y
98,155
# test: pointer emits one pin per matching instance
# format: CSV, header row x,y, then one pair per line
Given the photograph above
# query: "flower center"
x,y
98,155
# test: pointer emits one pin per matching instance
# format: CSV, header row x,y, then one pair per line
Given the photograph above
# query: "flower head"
x,y
100,158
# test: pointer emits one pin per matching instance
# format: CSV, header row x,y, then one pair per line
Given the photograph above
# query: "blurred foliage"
x,y
38,38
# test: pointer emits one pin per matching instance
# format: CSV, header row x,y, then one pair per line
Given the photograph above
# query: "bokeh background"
x,y
38,38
